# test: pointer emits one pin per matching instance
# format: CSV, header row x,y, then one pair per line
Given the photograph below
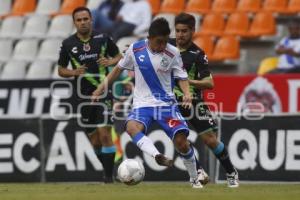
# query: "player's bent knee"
x,y
210,140
181,143
133,127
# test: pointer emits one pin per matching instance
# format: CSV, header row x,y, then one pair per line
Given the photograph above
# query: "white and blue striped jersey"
x,y
288,61
154,74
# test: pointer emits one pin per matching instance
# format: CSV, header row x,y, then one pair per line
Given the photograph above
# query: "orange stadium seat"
x,y
262,24
249,5
237,24
224,6
293,7
206,43
155,6
172,6
68,6
275,5
227,47
21,7
213,24
198,6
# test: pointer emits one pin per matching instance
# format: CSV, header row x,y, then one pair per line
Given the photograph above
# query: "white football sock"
x,y
147,146
190,163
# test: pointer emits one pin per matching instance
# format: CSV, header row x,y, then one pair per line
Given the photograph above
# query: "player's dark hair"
x,y
79,9
159,27
186,19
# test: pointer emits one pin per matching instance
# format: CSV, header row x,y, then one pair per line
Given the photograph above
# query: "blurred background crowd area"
x,y
238,36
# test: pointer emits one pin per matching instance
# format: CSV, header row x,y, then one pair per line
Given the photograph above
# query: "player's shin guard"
x,y
222,154
189,161
145,144
107,158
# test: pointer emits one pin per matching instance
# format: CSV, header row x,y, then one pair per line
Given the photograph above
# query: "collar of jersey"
x,y
84,41
150,50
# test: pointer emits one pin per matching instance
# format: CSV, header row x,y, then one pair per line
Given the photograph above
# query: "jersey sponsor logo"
x,y
87,56
74,50
86,47
142,58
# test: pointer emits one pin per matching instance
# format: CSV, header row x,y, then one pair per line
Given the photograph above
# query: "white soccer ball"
x,y
131,172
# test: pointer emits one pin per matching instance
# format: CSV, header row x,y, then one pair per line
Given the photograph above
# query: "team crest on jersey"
x,y
86,47
164,63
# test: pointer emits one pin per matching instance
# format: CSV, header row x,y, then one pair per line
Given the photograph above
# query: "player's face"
x,y
294,31
83,22
158,43
183,34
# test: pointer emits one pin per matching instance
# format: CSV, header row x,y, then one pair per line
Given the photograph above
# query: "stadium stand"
x,y
250,6
5,53
198,6
155,6
49,49
22,7
39,69
263,24
227,47
293,7
172,6
237,24
224,6
61,26
42,21
93,4
206,43
213,24
68,6
276,6
36,26
14,70
46,7
5,7
12,27
25,50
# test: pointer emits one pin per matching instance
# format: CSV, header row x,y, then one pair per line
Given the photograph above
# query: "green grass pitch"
x,y
146,191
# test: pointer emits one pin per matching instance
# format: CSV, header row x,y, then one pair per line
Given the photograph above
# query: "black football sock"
x,y
222,155
107,158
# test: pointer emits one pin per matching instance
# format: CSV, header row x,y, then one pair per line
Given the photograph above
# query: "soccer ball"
x,y
131,172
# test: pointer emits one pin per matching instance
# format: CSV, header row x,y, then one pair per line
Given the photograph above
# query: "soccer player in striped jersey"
x,y
156,64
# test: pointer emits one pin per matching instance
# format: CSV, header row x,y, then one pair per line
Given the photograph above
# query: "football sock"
x,y
198,165
145,144
107,158
222,154
189,161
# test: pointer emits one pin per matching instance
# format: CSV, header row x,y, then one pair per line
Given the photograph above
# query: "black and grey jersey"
x,y
196,64
79,52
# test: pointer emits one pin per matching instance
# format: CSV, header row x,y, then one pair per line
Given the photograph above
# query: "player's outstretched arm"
x,y
113,75
187,97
